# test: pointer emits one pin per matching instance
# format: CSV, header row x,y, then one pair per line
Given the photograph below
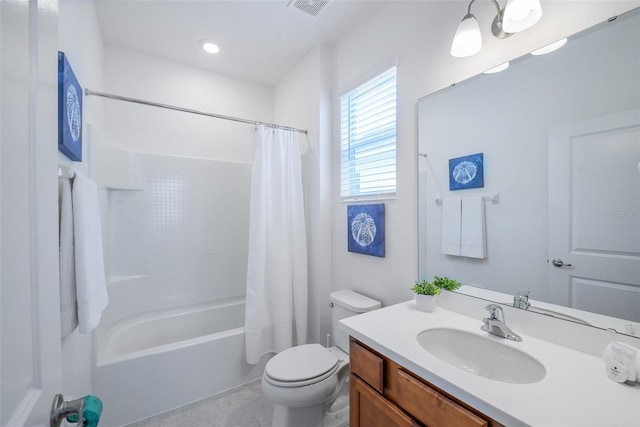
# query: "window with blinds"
x,y
368,138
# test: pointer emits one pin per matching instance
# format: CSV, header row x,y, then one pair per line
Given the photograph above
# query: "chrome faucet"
x,y
495,324
521,300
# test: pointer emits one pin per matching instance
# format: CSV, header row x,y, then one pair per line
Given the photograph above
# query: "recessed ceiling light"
x,y
209,46
497,69
550,47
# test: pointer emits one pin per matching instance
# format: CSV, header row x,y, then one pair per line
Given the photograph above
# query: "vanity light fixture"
x,y
550,47
497,69
517,15
209,46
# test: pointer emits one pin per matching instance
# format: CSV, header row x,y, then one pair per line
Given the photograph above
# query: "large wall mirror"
x,y
560,137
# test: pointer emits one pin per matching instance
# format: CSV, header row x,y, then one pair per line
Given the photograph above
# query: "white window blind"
x,y
368,138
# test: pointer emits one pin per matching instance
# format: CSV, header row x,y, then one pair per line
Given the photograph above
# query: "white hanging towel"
x,y
68,304
473,228
276,305
451,220
91,288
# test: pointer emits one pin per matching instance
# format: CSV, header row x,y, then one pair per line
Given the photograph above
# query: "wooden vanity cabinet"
x,y
384,394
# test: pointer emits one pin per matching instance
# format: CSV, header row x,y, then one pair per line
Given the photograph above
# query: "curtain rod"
x,y
88,92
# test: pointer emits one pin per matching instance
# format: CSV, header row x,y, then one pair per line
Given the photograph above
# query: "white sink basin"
x,y
481,356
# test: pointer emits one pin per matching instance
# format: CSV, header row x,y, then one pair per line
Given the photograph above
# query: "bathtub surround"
x,y
152,363
177,229
176,242
276,313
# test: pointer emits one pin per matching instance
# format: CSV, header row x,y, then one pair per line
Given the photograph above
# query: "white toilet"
x,y
309,383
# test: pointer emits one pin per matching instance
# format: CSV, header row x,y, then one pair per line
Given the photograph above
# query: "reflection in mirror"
x,y
560,137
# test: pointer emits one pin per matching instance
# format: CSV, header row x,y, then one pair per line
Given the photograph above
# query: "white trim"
x,y
25,408
368,198
365,77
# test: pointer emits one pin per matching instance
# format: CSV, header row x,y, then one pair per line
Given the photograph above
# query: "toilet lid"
x,y
301,363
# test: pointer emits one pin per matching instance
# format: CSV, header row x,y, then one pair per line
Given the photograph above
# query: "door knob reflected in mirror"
x,y
559,263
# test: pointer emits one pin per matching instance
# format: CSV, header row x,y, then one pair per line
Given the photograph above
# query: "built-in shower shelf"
x,y
117,279
103,187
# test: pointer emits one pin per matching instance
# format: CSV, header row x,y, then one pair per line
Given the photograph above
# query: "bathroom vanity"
x,y
403,374
384,393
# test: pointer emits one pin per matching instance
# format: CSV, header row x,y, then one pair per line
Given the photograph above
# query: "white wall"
x,y
303,100
146,129
79,38
419,35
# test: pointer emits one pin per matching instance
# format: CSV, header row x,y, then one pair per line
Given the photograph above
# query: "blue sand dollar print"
x,y
365,229
69,111
466,172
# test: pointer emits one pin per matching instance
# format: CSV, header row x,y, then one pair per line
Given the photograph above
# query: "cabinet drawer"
x,y
431,407
366,365
370,409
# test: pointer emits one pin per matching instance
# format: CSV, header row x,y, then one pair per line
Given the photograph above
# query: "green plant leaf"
x,y
433,288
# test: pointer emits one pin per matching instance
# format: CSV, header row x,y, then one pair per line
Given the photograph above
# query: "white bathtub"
x,y
150,364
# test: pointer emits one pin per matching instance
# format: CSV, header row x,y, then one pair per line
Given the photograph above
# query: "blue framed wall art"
x,y
69,111
365,229
466,172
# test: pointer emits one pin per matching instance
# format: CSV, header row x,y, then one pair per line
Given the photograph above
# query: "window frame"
x,y
380,194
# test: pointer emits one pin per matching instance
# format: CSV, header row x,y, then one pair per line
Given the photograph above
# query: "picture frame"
x,y
366,230
466,172
69,110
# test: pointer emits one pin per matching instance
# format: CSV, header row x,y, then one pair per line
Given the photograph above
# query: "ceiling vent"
x,y
309,7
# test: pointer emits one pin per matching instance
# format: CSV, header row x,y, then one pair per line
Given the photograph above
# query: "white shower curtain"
x,y
276,308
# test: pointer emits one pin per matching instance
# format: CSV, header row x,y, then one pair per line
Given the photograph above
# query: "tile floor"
x,y
244,406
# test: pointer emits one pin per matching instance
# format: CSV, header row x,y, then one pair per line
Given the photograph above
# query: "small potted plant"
x,y
446,283
426,292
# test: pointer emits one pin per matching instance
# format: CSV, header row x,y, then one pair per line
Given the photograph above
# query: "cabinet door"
x,y
431,407
370,409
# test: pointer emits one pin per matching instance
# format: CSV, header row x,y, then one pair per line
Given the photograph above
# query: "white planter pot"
x,y
426,303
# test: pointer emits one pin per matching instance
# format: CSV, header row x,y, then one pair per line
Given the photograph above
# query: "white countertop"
x,y
574,392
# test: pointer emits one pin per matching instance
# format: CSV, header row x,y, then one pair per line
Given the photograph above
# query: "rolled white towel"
x,y
91,289
68,298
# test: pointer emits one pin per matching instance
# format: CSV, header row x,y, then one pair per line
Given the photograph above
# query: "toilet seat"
x,y
300,366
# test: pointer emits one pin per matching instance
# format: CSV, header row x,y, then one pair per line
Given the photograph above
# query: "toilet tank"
x,y
347,303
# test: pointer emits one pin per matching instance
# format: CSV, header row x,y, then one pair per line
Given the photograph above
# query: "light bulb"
x,y
550,47
209,46
468,40
497,69
520,15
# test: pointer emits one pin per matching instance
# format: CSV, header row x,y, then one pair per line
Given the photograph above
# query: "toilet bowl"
x,y
309,383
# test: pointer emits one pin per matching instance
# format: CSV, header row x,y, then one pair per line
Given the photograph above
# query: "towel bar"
x,y
65,172
495,199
